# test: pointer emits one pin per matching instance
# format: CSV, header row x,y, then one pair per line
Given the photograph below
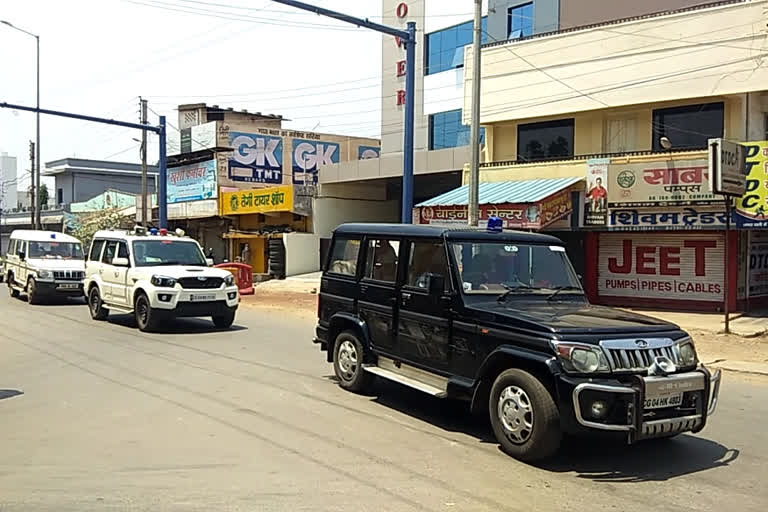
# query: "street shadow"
x,y
612,460
9,393
179,326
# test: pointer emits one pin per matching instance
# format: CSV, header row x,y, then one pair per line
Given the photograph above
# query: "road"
x,y
98,416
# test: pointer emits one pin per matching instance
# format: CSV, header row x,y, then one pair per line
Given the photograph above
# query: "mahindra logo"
x,y
201,278
641,343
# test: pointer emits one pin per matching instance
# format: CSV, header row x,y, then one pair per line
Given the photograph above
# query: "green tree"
x,y
44,197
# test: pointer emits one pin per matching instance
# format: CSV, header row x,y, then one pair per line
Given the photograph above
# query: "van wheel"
x,y
147,319
11,290
524,416
33,297
96,306
348,362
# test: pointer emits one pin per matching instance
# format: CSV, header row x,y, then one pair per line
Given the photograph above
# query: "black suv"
x,y
500,320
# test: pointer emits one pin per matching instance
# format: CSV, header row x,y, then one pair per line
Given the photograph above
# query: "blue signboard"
x,y
368,152
192,182
257,158
308,156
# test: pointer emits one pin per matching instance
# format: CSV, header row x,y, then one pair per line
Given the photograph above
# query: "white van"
x,y
44,264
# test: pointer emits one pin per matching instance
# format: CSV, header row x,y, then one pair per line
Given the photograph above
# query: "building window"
x,y
60,196
520,21
688,127
445,48
541,141
446,130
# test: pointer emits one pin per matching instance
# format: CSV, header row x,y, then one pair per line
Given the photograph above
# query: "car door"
x,y
93,264
21,262
424,318
119,276
107,271
378,301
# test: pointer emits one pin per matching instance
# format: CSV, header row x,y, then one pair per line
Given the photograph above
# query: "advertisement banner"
x,y
368,152
752,207
596,204
259,200
677,182
308,156
662,219
758,264
256,158
193,182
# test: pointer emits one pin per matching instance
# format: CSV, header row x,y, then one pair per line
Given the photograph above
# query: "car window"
x,y
12,247
426,258
109,252
122,250
167,251
344,256
55,250
20,246
96,248
381,260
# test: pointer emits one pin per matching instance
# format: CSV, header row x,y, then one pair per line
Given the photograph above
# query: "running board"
x,y
117,309
410,376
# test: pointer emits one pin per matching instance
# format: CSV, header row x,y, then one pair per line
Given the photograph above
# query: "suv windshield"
x,y
508,268
55,250
166,251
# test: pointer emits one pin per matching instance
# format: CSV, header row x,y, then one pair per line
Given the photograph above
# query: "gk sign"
x,y
256,158
309,155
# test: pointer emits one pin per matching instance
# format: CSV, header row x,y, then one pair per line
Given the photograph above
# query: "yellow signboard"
x,y
257,200
752,207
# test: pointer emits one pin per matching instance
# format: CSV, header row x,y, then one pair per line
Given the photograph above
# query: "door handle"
x,y
405,297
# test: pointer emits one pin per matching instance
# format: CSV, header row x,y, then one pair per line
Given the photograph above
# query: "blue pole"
x,y
162,202
410,93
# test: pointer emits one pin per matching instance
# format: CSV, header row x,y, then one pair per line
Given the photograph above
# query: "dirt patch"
x,y
303,305
729,347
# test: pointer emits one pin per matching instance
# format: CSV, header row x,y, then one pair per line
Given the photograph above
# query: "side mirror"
x,y
209,261
22,256
121,262
435,284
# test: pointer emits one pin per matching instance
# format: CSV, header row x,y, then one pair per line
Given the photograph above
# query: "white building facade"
x,y
8,182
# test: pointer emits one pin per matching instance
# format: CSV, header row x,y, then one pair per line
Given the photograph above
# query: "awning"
x,y
524,204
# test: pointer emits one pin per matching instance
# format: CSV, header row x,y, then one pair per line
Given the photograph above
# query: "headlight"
x,y
581,358
163,282
229,280
687,352
44,274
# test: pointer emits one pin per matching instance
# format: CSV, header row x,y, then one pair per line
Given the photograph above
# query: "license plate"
x,y
201,297
69,286
663,401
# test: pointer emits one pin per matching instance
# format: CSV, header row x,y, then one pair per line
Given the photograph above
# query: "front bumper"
x,y
626,401
179,300
61,288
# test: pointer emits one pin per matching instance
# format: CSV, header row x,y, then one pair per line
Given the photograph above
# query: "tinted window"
x,y
426,258
520,21
446,130
55,250
344,256
109,252
539,141
445,48
122,250
688,127
96,248
381,260
167,251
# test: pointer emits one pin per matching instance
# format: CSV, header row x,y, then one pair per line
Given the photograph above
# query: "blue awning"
x,y
523,191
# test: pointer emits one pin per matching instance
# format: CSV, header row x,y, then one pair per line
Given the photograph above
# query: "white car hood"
x,y
178,271
56,264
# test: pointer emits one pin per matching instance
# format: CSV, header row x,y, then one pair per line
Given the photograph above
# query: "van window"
x,y
427,258
344,256
96,248
109,252
12,247
381,260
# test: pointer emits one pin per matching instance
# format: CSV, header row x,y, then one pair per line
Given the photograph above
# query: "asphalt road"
x,y
98,416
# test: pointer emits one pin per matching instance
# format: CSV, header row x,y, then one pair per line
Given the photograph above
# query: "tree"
x,y
44,197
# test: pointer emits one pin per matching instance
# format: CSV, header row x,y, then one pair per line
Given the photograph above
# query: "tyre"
x,y
96,306
147,318
33,296
524,416
348,355
224,321
11,290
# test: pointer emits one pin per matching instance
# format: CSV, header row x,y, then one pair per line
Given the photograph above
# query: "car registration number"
x,y
201,297
69,286
658,402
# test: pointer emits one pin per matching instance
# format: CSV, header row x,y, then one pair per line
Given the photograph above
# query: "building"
x,y
628,107
244,186
78,180
8,182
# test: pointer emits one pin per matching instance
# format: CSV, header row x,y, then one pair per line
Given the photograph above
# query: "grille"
x,y
69,275
627,355
201,284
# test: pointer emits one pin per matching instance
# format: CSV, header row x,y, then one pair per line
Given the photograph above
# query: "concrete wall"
x,y
330,212
302,253
577,13
545,16
79,187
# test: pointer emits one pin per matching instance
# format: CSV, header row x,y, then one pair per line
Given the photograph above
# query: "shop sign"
x,y
650,183
368,152
663,266
682,218
752,207
193,182
256,158
727,167
260,200
308,156
596,204
758,264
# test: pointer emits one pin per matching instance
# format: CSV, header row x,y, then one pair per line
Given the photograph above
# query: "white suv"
x,y
44,264
156,276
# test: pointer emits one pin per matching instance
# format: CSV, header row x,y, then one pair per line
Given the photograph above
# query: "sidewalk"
x,y
741,324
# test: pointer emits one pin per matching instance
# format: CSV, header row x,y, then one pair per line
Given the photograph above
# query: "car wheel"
x,y
96,306
33,297
147,319
11,290
224,321
524,416
348,362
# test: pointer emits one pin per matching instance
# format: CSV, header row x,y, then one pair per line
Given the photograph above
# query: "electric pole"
x,y
474,134
144,192
32,191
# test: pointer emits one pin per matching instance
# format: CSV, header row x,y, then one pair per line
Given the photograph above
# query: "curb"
x,y
744,367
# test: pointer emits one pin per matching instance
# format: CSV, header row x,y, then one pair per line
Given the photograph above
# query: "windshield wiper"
x,y
522,287
164,263
559,289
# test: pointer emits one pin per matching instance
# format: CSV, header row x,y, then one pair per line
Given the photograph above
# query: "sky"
x,y
99,56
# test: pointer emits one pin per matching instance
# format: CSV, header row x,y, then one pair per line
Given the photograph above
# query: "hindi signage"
x,y
672,182
193,182
752,208
259,200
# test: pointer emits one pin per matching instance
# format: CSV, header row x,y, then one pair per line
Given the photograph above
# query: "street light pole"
x,y
474,173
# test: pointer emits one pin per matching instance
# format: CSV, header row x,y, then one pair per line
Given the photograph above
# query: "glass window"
x,y
688,127
344,256
445,48
150,253
446,130
520,21
109,252
427,258
122,250
381,260
55,250
96,247
12,247
539,141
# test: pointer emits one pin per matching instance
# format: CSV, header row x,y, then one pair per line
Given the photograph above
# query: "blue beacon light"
x,y
495,224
